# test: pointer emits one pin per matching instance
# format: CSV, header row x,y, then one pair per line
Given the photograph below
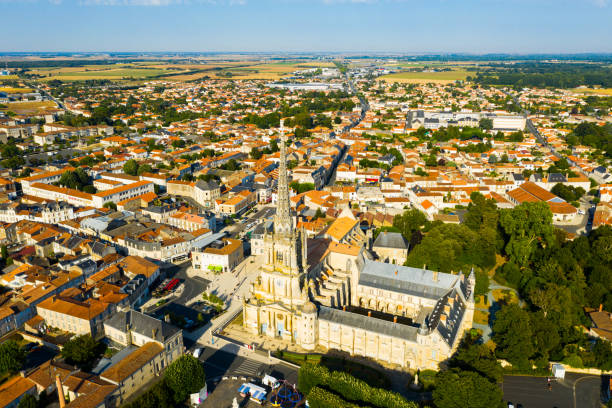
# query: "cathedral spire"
x,y
282,220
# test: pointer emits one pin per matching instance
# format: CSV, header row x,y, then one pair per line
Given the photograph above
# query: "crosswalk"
x,y
248,367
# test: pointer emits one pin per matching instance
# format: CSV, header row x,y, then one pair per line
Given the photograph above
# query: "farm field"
x,y
10,89
596,91
111,72
22,108
427,77
268,71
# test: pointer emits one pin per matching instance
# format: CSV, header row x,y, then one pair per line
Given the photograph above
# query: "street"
x,y
574,391
220,362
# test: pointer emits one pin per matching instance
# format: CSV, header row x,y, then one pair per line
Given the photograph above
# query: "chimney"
x,y
443,318
451,301
167,318
601,307
369,313
446,309
60,391
435,276
394,319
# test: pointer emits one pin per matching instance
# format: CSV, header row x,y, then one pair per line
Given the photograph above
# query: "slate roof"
x,y
405,279
390,240
372,324
206,185
142,324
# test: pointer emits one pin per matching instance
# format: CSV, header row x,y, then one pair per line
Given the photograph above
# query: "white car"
x,y
197,352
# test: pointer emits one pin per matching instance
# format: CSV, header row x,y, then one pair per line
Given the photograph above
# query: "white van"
x,y
197,352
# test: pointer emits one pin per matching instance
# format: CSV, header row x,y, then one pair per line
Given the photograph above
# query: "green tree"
x,y
185,376
28,401
528,226
82,351
409,222
473,356
255,153
513,335
145,168
111,205
486,123
131,167
465,389
12,357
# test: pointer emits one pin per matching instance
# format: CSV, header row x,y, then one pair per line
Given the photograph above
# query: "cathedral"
x,y
329,293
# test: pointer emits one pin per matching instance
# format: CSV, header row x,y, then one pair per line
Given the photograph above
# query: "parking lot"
x,y
575,391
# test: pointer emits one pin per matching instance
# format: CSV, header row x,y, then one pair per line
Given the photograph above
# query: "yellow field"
x,y
111,71
22,108
426,77
597,91
8,77
9,89
268,71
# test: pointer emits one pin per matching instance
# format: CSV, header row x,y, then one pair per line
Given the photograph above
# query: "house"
x,y
221,255
601,322
74,316
135,370
391,247
531,192
132,328
13,390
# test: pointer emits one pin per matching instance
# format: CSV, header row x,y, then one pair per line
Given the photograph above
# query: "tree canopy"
x,y
184,377
466,389
12,357
82,351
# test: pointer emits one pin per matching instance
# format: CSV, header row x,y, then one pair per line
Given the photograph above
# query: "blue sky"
x,y
472,26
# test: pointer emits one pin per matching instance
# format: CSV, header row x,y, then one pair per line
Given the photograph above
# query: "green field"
x,y
426,77
111,72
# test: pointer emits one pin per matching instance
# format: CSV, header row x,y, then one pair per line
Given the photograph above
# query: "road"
x,y
534,131
364,108
219,362
263,213
575,391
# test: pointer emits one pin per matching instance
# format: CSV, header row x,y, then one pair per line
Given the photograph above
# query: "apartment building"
x,y
220,256
78,317
122,193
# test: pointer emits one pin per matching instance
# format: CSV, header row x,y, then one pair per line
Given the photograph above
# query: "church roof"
x,y
405,279
368,323
390,240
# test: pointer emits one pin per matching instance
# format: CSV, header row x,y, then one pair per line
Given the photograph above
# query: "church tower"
x,y
278,295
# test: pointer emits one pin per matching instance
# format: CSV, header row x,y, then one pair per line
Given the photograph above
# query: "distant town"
x,y
236,230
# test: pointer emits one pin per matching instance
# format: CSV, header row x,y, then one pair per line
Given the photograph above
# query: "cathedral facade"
x,y
345,300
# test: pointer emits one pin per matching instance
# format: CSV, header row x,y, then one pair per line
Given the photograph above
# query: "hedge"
x,y
320,398
348,387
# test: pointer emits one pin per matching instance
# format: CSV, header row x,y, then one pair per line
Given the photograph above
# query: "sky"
x,y
402,26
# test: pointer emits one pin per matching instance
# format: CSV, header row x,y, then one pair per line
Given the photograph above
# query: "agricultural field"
x,y
267,71
110,72
12,90
443,77
30,107
594,91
